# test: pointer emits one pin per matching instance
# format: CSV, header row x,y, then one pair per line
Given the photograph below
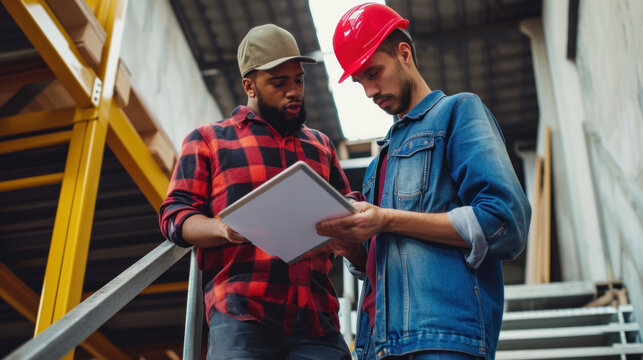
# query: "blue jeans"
x,y
419,355
234,339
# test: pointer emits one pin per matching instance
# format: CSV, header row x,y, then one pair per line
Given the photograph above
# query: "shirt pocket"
x,y
413,165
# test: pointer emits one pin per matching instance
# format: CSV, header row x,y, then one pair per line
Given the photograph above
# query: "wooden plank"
x,y
162,151
82,26
14,81
532,256
546,208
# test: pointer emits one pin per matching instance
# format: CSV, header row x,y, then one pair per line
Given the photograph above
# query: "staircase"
x,y
551,321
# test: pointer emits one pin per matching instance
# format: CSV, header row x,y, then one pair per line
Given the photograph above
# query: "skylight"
x,y
359,117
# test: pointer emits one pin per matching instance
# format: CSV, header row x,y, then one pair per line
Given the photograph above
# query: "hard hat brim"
x,y
401,23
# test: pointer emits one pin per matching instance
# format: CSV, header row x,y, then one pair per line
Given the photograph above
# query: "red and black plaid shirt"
x,y
221,162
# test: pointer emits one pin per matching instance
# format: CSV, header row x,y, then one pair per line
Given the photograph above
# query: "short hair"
x,y
390,44
252,75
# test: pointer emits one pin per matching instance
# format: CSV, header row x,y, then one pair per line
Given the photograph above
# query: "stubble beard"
x,y
407,86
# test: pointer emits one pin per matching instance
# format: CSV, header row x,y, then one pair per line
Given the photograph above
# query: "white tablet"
x,y
279,216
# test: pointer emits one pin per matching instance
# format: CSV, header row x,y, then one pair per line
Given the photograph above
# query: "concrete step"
x,y
549,322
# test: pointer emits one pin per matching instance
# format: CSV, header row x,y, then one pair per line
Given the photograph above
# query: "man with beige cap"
x,y
258,307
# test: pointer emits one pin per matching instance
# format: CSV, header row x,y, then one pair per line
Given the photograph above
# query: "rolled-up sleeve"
x,y
467,225
480,165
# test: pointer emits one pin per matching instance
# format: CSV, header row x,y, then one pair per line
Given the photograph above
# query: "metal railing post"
x,y
193,313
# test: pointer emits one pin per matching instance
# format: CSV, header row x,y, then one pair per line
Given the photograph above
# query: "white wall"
x,y
594,105
548,117
610,65
164,70
579,222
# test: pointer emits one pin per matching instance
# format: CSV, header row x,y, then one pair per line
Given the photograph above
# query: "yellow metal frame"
x,y
41,120
95,121
51,40
30,182
132,153
35,142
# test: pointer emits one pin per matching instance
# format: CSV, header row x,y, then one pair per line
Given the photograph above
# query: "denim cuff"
x,y
358,273
467,225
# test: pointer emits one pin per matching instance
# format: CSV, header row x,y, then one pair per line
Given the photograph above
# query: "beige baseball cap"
x,y
266,47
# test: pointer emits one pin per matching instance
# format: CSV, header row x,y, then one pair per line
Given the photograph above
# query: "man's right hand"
x,y
230,234
205,232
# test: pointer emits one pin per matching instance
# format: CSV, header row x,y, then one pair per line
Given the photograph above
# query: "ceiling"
x,y
215,28
465,45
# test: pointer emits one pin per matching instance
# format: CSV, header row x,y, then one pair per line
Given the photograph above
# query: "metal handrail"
x,y
193,313
81,321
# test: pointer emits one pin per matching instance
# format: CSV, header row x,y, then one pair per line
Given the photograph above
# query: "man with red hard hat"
x,y
443,206
258,307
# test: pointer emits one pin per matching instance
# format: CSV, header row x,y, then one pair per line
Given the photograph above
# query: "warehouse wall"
x,y
594,105
164,70
610,64
580,242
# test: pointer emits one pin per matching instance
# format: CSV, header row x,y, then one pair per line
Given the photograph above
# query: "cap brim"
x,y
278,62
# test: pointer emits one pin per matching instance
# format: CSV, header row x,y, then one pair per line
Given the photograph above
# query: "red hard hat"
x,y
360,32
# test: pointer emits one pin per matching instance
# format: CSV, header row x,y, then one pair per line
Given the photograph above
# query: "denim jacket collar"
x,y
416,113
419,110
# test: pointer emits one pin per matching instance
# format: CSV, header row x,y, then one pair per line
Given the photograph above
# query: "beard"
x,y
407,86
406,89
278,118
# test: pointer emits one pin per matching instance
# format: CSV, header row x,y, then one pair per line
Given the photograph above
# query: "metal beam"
x,y
100,9
67,258
495,29
246,8
34,142
409,11
436,16
25,183
271,12
187,29
48,36
215,47
297,28
194,312
17,294
228,22
36,121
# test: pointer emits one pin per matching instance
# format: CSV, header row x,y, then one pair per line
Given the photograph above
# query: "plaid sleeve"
x,y
190,188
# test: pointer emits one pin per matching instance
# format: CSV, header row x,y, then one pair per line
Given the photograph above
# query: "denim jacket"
x,y
446,155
